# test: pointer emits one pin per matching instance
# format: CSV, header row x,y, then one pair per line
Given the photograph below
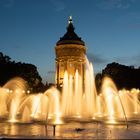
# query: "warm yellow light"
x,y
11,91
28,91
7,90
17,91
58,120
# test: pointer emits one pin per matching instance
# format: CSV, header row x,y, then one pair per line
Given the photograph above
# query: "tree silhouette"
x,y
10,69
124,76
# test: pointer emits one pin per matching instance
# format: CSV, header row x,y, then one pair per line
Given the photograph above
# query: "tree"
x,y
124,76
10,69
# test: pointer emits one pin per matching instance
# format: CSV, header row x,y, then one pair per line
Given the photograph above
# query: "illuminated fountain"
x,y
109,106
78,100
74,103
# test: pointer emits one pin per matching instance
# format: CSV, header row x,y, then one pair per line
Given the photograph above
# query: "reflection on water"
x,y
70,130
10,129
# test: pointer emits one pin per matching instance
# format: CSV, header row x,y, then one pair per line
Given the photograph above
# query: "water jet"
x,y
77,101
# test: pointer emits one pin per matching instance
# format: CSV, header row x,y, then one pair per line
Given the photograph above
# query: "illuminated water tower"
x,y
70,55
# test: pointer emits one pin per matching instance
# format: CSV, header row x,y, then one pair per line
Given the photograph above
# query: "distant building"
x,y
70,55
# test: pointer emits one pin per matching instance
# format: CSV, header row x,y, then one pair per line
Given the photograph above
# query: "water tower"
x,y
70,55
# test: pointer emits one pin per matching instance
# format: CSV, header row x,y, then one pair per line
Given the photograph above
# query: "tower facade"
x,y
70,55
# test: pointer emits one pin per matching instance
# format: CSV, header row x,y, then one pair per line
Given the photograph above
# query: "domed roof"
x,y
70,37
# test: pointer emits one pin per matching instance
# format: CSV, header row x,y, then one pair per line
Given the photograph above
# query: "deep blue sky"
x,y
29,30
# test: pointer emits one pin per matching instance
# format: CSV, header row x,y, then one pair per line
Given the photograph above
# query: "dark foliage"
x,y
124,76
10,69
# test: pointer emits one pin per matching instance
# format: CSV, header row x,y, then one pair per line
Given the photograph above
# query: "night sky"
x,y
29,30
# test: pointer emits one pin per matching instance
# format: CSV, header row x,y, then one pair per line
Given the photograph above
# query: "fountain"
x,y
74,103
23,114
